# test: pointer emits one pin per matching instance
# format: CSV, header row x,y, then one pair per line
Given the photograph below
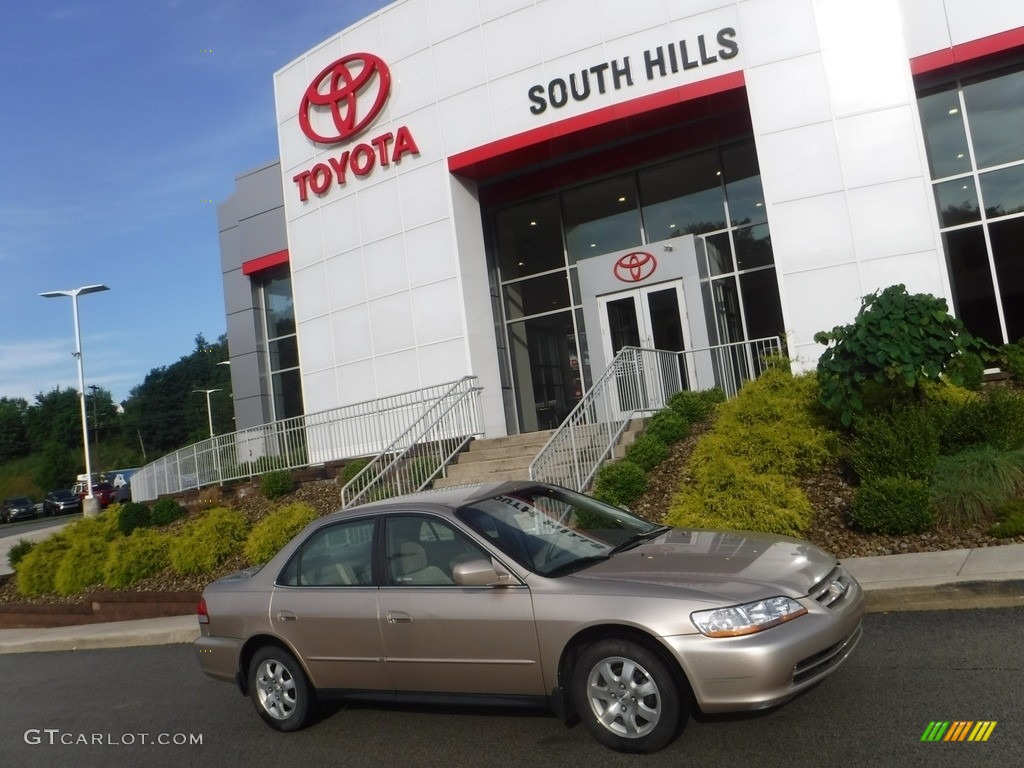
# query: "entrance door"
x,y
651,318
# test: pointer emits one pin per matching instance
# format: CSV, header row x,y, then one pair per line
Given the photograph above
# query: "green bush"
x,y
1011,360
968,368
996,418
647,452
696,406
667,426
38,568
208,541
902,442
134,558
620,483
893,506
1009,520
350,470
726,493
165,511
275,484
17,553
133,515
969,485
275,530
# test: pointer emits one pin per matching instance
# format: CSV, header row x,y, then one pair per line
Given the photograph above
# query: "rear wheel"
x,y
280,691
628,697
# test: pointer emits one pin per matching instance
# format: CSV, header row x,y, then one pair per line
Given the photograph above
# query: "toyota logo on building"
x,y
634,267
341,101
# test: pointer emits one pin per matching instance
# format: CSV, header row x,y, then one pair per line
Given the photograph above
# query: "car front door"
x,y
444,638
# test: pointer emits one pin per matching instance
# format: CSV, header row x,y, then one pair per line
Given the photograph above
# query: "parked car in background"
x,y
61,502
18,508
530,591
123,493
103,491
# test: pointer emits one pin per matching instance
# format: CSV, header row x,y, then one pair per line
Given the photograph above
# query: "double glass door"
x,y
651,318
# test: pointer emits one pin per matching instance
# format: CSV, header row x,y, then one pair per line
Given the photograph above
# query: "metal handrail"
x,y
347,432
423,451
640,381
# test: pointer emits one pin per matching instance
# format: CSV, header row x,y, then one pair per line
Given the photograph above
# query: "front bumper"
x,y
767,668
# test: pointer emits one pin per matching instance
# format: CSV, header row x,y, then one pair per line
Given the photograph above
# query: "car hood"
x,y
732,566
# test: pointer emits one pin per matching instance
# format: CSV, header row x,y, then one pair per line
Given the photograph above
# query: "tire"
x,y
628,697
279,689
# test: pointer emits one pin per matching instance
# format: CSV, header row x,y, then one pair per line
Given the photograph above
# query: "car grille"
x,y
833,589
821,662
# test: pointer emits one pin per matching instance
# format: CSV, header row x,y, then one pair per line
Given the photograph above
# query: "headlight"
x,y
747,619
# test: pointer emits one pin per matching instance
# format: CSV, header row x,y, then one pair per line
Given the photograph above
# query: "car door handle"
x,y
399,617
286,616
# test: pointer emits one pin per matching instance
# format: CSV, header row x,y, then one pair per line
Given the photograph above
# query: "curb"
x,y
961,595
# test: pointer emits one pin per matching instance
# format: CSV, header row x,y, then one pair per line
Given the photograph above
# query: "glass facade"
x,y
282,345
975,146
714,194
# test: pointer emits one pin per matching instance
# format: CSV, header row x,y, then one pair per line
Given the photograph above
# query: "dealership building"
x,y
515,189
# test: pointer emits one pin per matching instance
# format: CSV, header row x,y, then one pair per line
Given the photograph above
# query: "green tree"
x,y
897,341
55,417
59,466
13,436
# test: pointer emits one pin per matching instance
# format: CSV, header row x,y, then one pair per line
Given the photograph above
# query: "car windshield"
x,y
554,531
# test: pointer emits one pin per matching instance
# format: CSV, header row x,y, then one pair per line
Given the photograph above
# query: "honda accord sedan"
x,y
529,592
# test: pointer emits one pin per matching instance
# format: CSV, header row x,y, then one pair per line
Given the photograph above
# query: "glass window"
x,y
287,387
726,302
957,201
761,306
719,254
545,364
535,295
423,551
1008,250
277,293
743,185
683,197
601,218
334,556
944,135
529,238
753,247
973,293
1003,191
284,353
995,113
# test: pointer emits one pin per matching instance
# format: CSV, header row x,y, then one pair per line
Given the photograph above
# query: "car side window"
x,y
335,556
424,551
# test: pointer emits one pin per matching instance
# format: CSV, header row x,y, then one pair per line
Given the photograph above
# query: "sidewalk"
x,y
958,579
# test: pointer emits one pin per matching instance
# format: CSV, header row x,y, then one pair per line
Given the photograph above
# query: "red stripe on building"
x,y
263,263
975,49
535,145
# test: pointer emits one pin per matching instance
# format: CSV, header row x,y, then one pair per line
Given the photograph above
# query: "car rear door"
x,y
444,638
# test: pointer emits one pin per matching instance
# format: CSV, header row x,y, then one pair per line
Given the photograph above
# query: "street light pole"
x,y
89,508
209,411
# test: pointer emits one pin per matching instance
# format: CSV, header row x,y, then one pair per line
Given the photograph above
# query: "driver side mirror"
x,y
480,573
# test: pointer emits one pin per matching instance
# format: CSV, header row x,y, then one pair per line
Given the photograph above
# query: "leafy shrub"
x,y
969,485
667,426
134,558
967,368
17,553
696,406
727,493
647,452
82,564
893,506
275,530
620,483
133,515
1011,360
275,484
350,470
37,569
208,541
1009,520
902,442
165,511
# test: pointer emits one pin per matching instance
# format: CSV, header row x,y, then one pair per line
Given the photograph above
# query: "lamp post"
x,y
209,412
90,507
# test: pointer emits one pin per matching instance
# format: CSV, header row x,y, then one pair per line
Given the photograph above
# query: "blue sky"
x,y
124,123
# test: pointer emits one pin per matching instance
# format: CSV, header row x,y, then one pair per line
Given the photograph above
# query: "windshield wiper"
x,y
575,565
638,538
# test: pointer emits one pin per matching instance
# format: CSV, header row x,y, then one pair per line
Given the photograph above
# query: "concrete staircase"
x,y
509,458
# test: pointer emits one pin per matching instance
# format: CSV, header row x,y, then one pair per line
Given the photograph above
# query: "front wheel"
x,y
628,698
280,691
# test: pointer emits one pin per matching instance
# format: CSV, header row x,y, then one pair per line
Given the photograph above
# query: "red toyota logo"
x,y
634,267
336,90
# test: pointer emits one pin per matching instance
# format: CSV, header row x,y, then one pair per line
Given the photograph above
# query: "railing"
x,y
640,381
362,429
423,451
